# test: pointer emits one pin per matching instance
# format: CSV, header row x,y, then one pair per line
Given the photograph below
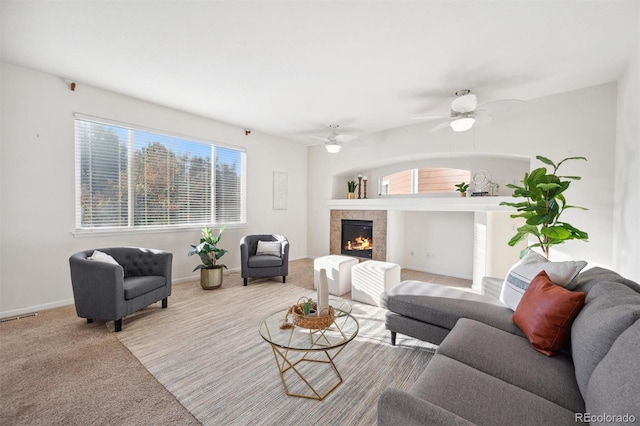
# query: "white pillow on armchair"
x,y
273,248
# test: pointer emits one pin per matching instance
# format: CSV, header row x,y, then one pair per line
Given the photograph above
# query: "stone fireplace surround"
x,y
379,218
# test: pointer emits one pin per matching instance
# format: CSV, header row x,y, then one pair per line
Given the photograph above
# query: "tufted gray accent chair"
x,y
110,292
254,266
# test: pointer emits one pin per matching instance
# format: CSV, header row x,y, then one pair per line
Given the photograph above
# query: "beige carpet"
x,y
205,348
212,358
56,369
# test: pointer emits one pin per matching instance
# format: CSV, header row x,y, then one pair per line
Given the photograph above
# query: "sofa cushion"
x,y
521,274
589,278
509,358
137,286
397,408
610,308
546,312
443,306
614,387
264,261
483,399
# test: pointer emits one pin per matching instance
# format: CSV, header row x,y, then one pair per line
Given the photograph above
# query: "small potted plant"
x,y
351,186
308,306
462,188
210,253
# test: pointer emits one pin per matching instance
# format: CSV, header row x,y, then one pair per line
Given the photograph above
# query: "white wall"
x,y
436,242
37,187
577,123
626,241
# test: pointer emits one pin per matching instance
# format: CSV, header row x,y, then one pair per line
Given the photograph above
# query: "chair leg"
x,y
284,279
118,325
393,338
165,302
89,320
245,281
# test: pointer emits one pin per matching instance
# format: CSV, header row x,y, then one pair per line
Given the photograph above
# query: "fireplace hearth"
x,y
357,238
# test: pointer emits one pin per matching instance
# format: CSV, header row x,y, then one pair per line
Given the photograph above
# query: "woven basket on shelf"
x,y
308,321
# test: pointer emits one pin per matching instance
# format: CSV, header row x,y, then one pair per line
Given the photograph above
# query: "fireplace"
x,y
357,238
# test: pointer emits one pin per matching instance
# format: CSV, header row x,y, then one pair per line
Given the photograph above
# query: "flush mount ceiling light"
x,y
333,147
462,124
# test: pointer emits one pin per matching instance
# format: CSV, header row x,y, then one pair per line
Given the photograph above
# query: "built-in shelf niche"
x,y
503,168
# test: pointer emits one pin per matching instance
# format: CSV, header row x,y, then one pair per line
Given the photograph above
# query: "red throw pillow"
x,y
546,312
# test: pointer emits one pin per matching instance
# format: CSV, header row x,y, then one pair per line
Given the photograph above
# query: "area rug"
x,y
207,351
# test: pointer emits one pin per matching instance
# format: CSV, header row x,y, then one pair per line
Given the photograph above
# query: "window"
x,y
135,178
424,181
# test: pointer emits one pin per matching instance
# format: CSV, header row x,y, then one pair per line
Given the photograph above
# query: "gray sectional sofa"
x,y
486,372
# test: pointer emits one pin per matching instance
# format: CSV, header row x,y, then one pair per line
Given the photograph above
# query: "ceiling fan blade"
x,y
502,104
440,127
319,138
482,120
346,138
431,117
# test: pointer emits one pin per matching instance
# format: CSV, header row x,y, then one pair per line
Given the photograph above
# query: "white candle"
x,y
323,294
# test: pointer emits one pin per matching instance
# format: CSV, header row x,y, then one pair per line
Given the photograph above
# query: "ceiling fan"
x,y
465,112
333,141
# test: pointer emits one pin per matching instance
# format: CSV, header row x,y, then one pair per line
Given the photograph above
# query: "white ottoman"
x,y
372,278
338,272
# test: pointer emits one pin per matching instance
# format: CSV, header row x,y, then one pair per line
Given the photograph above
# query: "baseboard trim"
x,y
438,272
35,308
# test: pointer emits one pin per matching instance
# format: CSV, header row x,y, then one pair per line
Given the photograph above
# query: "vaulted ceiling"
x,y
290,69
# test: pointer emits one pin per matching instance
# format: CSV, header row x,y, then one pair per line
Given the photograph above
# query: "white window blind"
x,y
135,178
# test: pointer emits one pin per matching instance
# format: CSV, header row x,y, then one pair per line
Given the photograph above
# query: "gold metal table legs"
x,y
286,364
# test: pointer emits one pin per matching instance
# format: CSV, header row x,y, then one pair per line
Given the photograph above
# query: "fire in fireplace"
x,y
357,238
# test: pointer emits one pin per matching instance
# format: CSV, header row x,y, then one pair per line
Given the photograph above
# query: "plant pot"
x,y
463,194
351,195
211,278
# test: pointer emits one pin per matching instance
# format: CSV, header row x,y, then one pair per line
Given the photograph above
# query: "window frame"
x,y
80,231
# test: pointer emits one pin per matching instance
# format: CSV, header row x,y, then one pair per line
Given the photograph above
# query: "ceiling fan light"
x,y
333,147
462,124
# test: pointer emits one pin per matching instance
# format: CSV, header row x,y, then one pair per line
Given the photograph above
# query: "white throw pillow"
x,y
272,248
102,257
521,274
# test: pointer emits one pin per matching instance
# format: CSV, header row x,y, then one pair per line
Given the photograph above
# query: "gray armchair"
x,y
255,264
109,292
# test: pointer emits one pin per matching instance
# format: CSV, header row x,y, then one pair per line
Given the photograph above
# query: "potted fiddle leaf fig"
x,y
210,253
543,202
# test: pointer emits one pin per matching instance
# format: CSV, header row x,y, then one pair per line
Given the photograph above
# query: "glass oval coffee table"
x,y
308,354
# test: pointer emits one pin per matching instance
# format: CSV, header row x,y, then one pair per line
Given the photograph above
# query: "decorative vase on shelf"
x,y
351,195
